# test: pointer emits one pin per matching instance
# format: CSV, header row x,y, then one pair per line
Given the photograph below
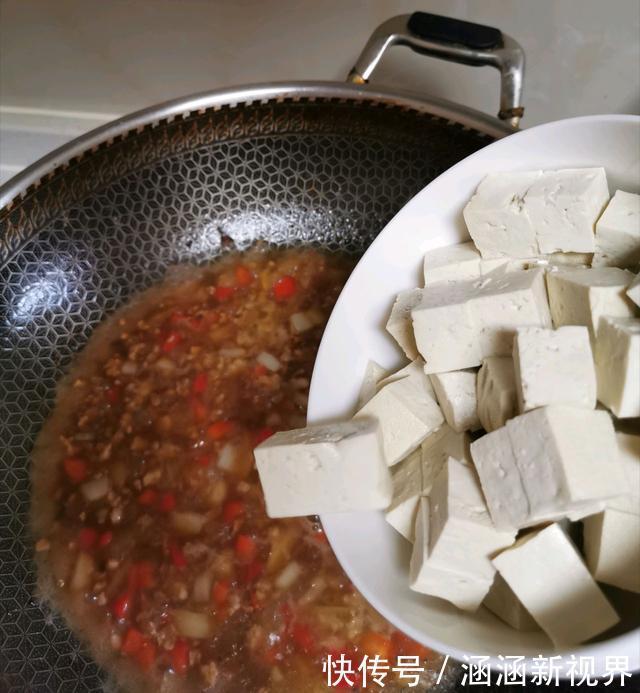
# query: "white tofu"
x,y
445,333
618,365
456,394
437,448
324,469
463,590
547,464
554,367
414,476
527,214
373,372
415,369
399,323
506,302
496,216
407,489
569,259
563,207
501,482
458,324
582,296
548,576
452,262
612,548
618,232
462,537
506,606
457,262
629,457
633,292
496,389
407,412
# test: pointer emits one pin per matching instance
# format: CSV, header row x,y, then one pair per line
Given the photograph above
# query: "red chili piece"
x,y
285,288
76,469
177,556
167,502
261,435
220,429
87,538
148,497
245,547
171,342
223,293
244,276
180,657
199,384
232,510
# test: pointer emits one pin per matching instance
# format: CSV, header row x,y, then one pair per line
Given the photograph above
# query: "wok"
x,y
102,218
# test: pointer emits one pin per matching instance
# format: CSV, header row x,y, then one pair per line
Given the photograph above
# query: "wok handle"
x,y
454,40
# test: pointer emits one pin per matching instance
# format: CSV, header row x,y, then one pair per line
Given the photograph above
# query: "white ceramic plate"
x,y
375,557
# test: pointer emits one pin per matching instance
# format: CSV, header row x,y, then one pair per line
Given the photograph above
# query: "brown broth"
x,y
153,538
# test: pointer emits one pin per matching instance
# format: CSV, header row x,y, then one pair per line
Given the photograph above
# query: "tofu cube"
x,y
407,412
580,296
456,395
373,372
415,369
451,263
506,606
457,325
414,476
563,207
554,367
506,302
549,463
526,214
502,485
497,219
437,448
459,262
399,323
618,232
629,458
496,389
324,469
407,489
445,333
462,537
618,365
547,574
569,259
633,292
612,548
464,591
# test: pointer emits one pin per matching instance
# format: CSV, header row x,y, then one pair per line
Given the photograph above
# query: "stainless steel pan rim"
x,y
246,95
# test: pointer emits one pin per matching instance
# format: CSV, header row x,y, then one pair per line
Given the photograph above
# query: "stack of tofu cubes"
x,y
505,426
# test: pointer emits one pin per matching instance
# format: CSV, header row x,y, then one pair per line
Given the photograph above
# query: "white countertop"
x,y
69,65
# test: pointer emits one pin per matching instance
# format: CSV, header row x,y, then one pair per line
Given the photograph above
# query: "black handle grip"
x,y
434,27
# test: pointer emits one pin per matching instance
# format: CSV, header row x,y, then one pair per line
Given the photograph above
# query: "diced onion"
x,y
129,368
188,523
165,365
227,457
191,624
288,576
202,587
96,488
269,361
231,352
300,322
81,577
